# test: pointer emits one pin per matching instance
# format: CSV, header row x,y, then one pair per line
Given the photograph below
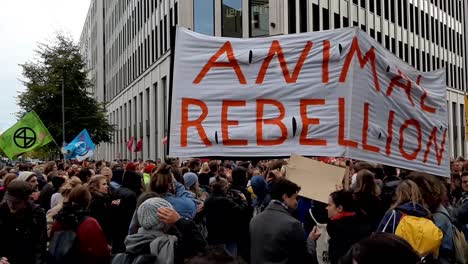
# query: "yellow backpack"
x,y
421,233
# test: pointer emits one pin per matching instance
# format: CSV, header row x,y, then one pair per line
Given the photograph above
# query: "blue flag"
x,y
81,147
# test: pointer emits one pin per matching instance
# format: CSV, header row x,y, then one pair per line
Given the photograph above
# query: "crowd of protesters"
x,y
212,211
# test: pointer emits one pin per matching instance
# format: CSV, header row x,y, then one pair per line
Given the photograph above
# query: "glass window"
x,y
259,18
232,18
203,17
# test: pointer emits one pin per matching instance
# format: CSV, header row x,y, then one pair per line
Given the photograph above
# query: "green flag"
x,y
27,134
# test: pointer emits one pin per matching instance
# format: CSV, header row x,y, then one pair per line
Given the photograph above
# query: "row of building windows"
x,y
418,58
130,124
155,44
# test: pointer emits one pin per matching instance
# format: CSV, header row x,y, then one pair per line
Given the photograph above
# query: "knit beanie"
x,y
190,179
148,213
24,175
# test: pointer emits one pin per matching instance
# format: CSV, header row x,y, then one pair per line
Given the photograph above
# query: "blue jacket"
x,y
183,201
406,208
444,223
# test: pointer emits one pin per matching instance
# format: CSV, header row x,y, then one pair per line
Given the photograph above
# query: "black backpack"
x,y
64,247
125,258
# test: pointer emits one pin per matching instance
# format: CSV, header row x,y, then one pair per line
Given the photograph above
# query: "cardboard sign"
x,y
332,93
316,179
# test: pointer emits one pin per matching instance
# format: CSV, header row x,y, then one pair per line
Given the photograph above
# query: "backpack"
x,y
421,233
459,243
63,247
125,258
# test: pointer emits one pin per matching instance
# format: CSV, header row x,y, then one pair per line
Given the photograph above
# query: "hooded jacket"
x,y
151,242
406,208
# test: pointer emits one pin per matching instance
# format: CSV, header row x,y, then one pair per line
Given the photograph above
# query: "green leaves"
x,y
60,62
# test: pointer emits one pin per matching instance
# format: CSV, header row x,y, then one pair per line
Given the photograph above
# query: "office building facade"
x,y
127,45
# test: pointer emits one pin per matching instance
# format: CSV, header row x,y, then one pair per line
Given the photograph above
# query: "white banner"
x,y
332,93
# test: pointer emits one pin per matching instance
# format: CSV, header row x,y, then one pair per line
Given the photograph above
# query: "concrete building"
x,y
127,44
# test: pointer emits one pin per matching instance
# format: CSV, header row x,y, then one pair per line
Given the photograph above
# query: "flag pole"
x,y
63,112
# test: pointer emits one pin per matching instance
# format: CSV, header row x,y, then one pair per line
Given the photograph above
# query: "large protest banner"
x,y
332,93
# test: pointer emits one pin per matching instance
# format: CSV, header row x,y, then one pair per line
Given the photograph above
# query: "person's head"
x,y
219,185
407,192
69,185
147,214
214,166
464,181
9,177
239,177
150,168
177,173
80,196
457,167
107,172
85,174
433,191
365,183
340,202
24,167
133,181
389,171
194,165
161,180
190,181
50,166
285,191
145,196
57,182
17,196
259,186
29,177
205,168
131,166
98,184
382,248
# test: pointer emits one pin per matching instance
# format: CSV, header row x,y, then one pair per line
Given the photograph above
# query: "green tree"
x,y
61,62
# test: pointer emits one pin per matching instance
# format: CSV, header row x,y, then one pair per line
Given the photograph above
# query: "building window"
x,y
336,18
259,18
232,18
316,17
292,16
326,19
455,129
203,17
462,128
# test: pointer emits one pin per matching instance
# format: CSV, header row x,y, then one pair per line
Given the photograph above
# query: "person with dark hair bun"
x,y
224,217
345,226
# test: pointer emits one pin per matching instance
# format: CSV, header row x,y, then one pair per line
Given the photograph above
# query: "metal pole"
x,y
63,113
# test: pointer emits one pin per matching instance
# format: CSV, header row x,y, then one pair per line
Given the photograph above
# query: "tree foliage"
x,y
61,62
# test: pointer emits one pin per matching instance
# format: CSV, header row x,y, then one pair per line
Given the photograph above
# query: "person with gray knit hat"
x,y
156,241
151,235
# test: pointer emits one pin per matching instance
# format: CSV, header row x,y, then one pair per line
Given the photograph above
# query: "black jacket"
x,y
123,217
223,219
345,232
102,210
23,240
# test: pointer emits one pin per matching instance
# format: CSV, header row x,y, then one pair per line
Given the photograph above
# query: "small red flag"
x,y
130,143
139,145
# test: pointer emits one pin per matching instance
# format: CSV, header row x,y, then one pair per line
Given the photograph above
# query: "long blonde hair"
x,y
408,192
205,168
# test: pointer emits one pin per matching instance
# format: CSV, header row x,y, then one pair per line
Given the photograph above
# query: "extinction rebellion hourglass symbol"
x,y
24,137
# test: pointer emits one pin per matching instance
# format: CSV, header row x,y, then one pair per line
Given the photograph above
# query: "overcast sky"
x,y
24,24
